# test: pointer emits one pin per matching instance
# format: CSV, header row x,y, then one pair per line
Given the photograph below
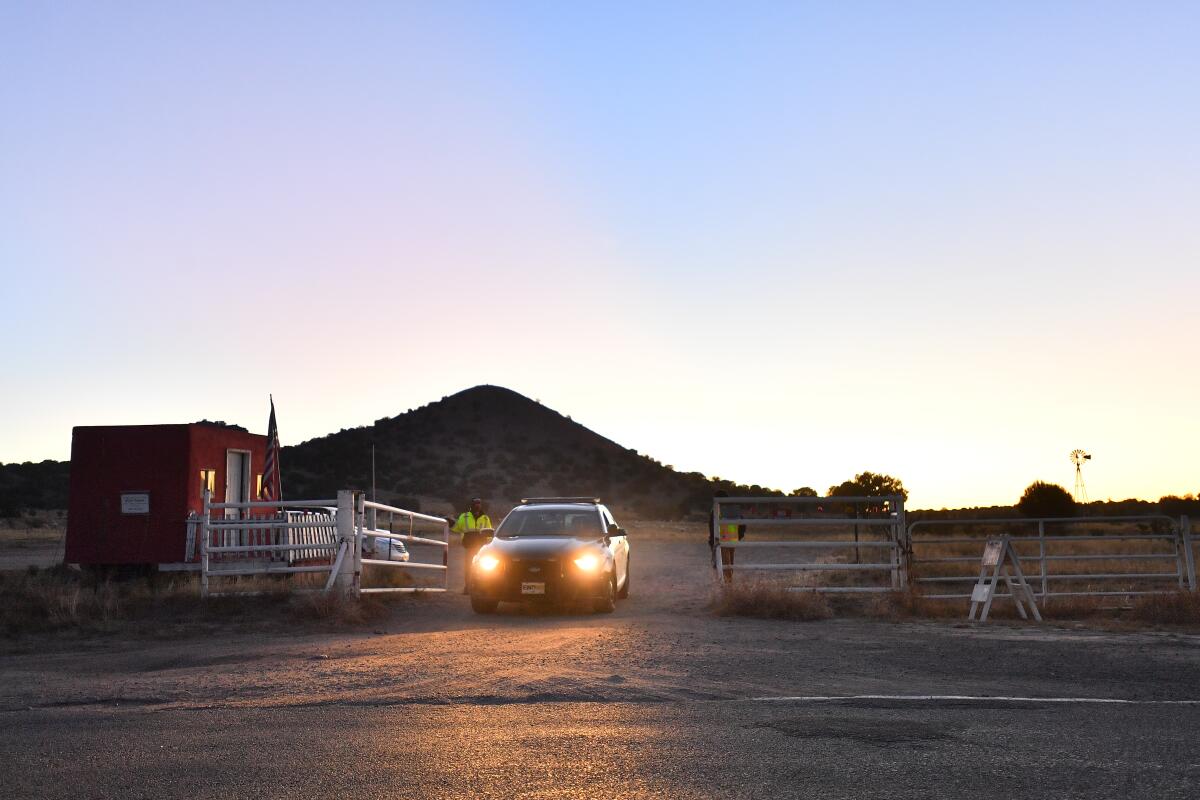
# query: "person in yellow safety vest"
x,y
727,533
475,527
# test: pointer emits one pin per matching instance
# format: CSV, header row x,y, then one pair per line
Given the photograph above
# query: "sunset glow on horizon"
x,y
776,243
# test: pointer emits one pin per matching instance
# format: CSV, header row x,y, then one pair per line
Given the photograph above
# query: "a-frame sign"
x,y
1001,560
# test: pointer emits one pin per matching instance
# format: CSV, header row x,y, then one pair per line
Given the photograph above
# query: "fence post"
x,y
902,548
348,573
715,538
445,526
360,522
1042,555
445,551
205,532
1189,557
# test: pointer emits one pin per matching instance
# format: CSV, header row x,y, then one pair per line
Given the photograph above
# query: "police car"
x,y
556,551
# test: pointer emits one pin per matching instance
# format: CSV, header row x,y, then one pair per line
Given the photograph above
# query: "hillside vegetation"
x,y
502,446
33,486
497,444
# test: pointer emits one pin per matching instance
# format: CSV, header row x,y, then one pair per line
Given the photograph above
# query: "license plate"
x,y
533,588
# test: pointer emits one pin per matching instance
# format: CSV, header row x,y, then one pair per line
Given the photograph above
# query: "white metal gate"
x,y
315,536
1061,557
412,525
836,533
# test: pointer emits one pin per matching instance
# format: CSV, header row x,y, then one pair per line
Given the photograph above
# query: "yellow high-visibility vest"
x,y
469,522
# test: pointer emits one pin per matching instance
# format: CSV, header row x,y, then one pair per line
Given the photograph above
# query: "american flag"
x,y
271,489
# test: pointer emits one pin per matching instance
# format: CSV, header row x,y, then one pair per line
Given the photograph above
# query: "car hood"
x,y
528,547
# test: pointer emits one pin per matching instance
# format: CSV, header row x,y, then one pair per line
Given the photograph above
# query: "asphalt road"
x,y
588,750
659,699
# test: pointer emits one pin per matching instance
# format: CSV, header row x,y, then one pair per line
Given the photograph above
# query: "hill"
x,y
495,443
486,441
33,486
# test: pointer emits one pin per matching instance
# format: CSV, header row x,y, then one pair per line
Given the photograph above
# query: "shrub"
x,y
1041,499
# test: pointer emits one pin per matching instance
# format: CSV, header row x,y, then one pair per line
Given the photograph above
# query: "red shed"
x,y
133,486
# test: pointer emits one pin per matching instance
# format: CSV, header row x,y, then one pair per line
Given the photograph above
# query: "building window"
x,y
208,480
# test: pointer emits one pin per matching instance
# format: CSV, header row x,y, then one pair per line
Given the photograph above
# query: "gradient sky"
x,y
775,242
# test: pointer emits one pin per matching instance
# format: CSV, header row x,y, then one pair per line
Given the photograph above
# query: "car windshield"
x,y
578,522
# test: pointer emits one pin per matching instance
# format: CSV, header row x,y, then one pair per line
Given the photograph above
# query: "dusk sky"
x,y
776,242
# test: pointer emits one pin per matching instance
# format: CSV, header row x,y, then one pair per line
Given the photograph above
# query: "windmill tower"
x,y
1077,458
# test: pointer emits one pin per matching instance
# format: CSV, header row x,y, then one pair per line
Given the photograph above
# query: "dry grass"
x,y
35,519
1098,550
1075,608
61,600
33,529
11,538
375,575
1028,550
1172,608
337,608
909,604
769,600
1177,608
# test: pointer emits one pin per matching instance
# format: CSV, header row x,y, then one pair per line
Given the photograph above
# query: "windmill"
x,y
1077,458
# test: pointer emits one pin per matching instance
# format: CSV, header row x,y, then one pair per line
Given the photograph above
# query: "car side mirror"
x,y
615,530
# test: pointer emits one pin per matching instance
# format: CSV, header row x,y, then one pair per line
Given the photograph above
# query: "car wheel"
x,y
608,603
623,593
482,606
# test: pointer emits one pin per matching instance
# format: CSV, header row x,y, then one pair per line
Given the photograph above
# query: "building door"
x,y
237,479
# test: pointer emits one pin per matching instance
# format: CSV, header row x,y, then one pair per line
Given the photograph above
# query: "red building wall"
x,y
207,450
160,461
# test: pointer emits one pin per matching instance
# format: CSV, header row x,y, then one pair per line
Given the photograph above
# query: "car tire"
x,y
608,603
482,606
623,592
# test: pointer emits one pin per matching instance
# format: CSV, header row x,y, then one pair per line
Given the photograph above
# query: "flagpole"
x,y
272,478
278,471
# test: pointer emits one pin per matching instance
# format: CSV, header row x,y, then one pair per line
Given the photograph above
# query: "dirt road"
x,y
658,699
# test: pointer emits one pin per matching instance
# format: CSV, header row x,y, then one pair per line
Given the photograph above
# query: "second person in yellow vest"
x,y
727,533
475,527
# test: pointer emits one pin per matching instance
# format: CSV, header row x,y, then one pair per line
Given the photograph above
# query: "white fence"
x,y
314,536
315,527
829,534
1061,557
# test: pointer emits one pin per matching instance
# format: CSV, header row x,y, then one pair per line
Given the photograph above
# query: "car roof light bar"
x,y
525,501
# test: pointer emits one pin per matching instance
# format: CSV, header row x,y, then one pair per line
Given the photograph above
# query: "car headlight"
x,y
488,563
587,562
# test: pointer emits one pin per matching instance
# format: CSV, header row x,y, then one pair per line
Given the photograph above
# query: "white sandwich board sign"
x,y
1000,563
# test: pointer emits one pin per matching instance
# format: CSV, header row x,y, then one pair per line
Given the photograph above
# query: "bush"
x,y
1041,499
